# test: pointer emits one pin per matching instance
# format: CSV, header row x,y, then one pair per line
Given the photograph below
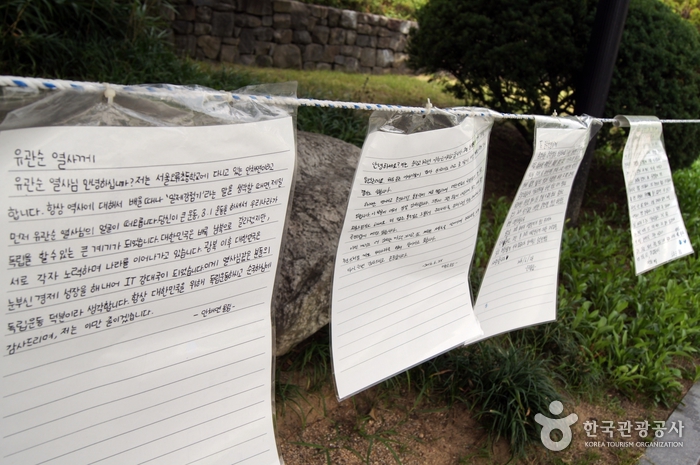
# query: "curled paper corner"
x,y
625,121
638,137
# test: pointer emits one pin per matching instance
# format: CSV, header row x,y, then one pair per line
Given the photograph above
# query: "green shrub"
x,y
504,386
509,55
524,57
658,73
686,9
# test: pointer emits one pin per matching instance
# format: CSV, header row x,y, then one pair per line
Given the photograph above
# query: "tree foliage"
x,y
527,56
686,9
658,73
509,55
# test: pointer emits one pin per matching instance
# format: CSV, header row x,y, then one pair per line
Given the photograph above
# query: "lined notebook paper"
x,y
400,291
138,279
520,283
656,223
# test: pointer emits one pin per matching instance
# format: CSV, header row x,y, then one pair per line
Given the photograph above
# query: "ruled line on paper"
x,y
206,261
413,189
121,342
417,227
222,200
522,280
142,410
134,357
134,305
185,429
503,296
402,344
409,262
119,272
404,231
355,273
425,154
156,422
462,176
220,451
162,165
124,232
505,269
518,309
405,266
107,190
228,365
153,227
412,315
132,377
514,303
135,338
430,284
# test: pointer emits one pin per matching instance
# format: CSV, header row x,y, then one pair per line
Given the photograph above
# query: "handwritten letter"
x,y
520,284
137,284
658,231
400,291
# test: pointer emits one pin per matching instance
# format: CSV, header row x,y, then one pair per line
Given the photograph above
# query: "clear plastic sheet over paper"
x,y
141,268
519,287
400,287
658,231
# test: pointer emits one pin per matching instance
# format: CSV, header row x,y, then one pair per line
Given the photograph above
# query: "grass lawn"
x,y
385,89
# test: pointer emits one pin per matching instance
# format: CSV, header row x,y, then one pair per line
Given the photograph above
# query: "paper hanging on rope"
x,y
400,289
519,287
656,223
140,268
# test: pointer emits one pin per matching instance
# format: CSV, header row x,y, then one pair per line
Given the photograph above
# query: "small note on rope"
x,y
519,287
138,284
400,288
658,231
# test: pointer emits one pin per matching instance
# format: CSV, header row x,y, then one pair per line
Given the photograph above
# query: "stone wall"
x,y
290,34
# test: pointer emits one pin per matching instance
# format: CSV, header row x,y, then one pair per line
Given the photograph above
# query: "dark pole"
x,y
594,85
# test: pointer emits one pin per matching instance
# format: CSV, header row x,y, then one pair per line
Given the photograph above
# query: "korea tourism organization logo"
x,y
549,425
608,433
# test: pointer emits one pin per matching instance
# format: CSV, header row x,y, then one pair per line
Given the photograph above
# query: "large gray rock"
x,y
324,178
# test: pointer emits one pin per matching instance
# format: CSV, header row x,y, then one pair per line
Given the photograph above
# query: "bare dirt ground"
x,y
390,425
384,426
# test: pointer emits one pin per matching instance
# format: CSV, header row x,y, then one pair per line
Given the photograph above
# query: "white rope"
x,y
57,84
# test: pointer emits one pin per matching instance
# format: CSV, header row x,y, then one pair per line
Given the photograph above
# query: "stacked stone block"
x,y
290,34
